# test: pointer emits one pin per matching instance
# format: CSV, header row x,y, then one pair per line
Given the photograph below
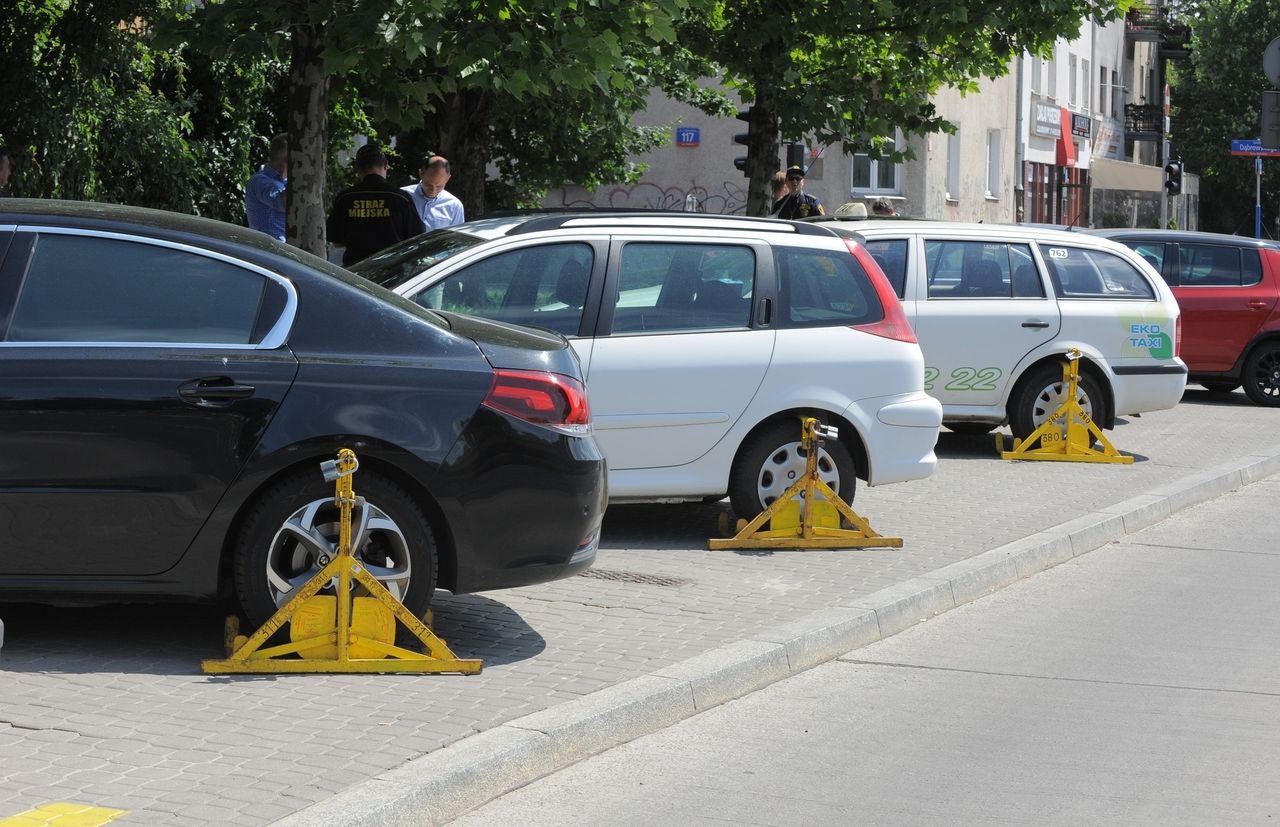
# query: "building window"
x,y
1087,87
1116,91
1073,96
1102,91
875,174
993,163
1052,86
953,167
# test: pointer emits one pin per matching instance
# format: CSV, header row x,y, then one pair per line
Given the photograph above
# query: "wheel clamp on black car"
x,y
799,519
1072,443
339,633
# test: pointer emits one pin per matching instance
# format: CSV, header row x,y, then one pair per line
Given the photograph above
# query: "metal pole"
x,y
1257,197
1164,158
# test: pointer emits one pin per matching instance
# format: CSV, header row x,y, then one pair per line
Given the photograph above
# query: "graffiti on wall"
x,y
728,199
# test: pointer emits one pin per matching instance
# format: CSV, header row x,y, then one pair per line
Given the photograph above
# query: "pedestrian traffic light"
x,y
743,138
1173,177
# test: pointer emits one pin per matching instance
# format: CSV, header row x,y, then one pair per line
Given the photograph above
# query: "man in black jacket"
x,y
372,215
798,203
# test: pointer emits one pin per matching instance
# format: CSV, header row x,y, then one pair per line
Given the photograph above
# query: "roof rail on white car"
x,y
668,219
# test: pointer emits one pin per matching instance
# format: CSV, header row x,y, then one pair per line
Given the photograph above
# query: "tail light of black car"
x,y
543,398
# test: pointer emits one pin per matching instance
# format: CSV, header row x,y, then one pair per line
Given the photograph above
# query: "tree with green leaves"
x,y
1216,97
104,115
853,72
542,89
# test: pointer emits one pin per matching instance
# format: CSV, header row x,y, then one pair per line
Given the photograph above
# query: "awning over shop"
x,y
1122,175
1066,144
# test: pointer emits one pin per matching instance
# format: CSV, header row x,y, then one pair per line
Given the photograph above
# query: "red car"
x,y
1229,290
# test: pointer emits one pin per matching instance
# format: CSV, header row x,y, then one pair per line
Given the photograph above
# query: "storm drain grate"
x,y
634,577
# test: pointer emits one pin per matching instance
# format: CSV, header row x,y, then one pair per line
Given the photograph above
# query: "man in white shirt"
x,y
436,206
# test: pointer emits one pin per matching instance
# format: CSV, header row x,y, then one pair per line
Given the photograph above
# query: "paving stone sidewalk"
x,y
107,706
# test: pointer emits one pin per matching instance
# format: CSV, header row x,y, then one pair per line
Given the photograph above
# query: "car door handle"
x,y
1257,304
214,389
1034,323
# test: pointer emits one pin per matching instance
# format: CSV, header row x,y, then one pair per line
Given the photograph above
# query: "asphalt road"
x,y
1139,684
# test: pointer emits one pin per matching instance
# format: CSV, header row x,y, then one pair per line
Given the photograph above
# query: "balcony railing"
x,y
1156,24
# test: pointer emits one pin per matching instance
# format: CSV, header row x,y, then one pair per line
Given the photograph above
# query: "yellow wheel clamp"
x,y
1076,445
339,633
799,519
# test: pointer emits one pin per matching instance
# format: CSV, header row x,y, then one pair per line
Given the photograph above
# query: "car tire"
x,y
1040,393
1220,387
970,428
398,547
772,460
1262,375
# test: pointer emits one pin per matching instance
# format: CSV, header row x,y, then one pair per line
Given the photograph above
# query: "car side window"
x,y
1217,265
543,286
1152,253
820,288
977,269
1078,273
103,290
891,255
669,287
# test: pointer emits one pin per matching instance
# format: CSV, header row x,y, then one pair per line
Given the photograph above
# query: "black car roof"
x,y
109,217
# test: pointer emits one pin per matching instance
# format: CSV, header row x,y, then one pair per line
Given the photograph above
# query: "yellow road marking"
x,y
63,814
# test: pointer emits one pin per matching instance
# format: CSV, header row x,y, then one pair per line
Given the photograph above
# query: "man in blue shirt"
x,y
264,194
437,207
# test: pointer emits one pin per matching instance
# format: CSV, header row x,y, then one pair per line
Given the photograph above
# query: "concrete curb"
x,y
449,782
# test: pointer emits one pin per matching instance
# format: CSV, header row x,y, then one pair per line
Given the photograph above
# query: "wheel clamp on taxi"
x,y
339,633
1072,443
800,519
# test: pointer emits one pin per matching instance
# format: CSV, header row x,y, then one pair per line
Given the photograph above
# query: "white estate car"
x,y
996,307
703,339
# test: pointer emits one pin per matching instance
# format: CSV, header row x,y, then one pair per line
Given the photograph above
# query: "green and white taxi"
x,y
997,307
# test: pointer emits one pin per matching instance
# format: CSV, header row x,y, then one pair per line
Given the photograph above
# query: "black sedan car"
x,y
170,385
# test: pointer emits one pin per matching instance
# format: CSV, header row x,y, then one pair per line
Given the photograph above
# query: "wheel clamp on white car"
x,y
1072,443
799,519
339,633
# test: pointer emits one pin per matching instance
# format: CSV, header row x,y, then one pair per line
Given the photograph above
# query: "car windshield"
x,y
396,265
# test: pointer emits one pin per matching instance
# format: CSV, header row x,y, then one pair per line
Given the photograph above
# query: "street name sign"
x,y
1253,146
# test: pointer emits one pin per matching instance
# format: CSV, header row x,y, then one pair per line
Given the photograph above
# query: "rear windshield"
x,y
820,288
396,265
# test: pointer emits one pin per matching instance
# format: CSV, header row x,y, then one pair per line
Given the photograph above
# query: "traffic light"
x,y
1173,177
743,138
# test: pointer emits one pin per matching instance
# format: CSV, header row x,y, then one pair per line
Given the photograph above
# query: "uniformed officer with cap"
x,y
372,215
799,204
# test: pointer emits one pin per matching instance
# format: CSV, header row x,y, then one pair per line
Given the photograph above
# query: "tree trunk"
x,y
308,121
464,140
762,152
764,144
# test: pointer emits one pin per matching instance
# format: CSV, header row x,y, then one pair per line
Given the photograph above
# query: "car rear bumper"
x,y
526,504
899,433
1141,386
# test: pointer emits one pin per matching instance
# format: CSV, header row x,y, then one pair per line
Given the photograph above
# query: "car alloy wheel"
x,y
291,532
308,541
773,460
1262,375
1043,392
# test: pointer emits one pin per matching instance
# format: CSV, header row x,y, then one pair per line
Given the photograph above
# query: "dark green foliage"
x,y
97,113
1216,97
